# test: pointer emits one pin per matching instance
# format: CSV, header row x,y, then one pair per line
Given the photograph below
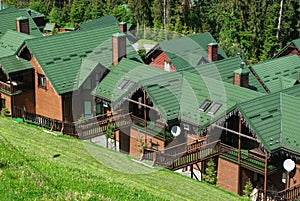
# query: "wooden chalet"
x,y
292,48
175,54
278,73
217,120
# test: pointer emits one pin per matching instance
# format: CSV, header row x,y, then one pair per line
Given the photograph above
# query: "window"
x,y
87,84
214,109
205,105
97,77
186,127
87,109
128,85
122,84
167,66
42,80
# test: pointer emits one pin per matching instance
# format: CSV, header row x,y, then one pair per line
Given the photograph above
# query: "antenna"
x,y
175,130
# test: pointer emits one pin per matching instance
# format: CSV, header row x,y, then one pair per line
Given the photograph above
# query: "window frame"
x,y
205,105
42,81
214,108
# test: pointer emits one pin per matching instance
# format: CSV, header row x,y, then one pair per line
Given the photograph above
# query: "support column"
x,y
145,110
239,154
266,176
192,171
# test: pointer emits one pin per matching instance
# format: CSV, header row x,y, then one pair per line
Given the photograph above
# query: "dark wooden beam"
x,y
266,176
234,132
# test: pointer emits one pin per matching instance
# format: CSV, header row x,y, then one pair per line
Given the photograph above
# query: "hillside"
x,y
35,165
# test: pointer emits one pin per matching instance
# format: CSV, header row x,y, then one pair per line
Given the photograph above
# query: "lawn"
x,y
35,165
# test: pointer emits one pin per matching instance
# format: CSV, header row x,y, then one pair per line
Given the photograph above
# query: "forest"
x,y
255,29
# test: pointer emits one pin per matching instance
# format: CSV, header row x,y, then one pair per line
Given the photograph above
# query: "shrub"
x,y
210,175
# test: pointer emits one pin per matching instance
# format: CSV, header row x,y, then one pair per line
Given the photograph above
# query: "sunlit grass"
x,y
35,165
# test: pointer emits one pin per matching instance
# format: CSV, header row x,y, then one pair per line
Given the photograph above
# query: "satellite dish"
x,y
175,130
289,165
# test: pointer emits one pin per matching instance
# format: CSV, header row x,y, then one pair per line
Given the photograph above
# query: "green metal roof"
x,y
126,69
175,95
223,70
279,73
11,42
3,6
12,64
67,59
179,95
33,13
8,21
274,119
100,22
297,43
49,27
186,51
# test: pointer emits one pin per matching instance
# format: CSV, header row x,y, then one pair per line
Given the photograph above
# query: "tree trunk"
x,y
279,20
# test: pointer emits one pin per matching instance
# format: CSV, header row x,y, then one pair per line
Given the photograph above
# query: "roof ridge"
x,y
70,33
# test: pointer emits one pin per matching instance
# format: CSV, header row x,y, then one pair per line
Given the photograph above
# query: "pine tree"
x,y
248,189
210,175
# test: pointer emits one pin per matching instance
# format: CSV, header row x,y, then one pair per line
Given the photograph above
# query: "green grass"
x,y
35,165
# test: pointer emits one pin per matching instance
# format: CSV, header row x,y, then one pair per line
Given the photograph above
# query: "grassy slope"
x,y
28,171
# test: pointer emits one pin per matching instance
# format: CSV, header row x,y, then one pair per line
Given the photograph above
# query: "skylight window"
x,y
128,85
122,84
205,105
214,109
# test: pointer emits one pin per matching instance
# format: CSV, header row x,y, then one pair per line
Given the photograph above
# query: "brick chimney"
x,y
123,26
241,76
22,25
212,51
118,47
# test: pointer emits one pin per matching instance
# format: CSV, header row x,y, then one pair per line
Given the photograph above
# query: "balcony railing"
x,y
6,88
153,128
67,128
247,160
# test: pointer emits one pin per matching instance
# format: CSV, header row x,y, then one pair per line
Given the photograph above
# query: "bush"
x,y
210,175
5,112
248,189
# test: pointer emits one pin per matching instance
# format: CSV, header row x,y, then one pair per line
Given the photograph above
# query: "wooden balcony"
x,y
153,128
248,160
5,88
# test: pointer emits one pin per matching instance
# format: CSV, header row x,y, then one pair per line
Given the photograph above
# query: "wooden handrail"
x,y
6,87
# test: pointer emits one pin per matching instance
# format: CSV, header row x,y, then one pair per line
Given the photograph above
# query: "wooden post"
x,y
239,142
145,110
265,176
239,154
287,177
154,158
192,171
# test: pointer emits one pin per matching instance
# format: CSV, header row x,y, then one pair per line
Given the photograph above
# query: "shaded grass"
x,y
38,166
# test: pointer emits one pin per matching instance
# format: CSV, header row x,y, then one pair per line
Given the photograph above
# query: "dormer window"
x,y
205,105
41,80
167,66
214,108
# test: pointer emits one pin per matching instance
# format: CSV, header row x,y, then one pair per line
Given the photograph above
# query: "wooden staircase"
x,y
175,158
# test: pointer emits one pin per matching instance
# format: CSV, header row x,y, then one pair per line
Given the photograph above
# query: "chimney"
x,y
212,50
123,26
22,25
118,47
241,76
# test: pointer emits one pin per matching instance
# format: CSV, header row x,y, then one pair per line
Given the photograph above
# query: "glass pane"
x,y
213,110
205,105
122,84
87,108
128,85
